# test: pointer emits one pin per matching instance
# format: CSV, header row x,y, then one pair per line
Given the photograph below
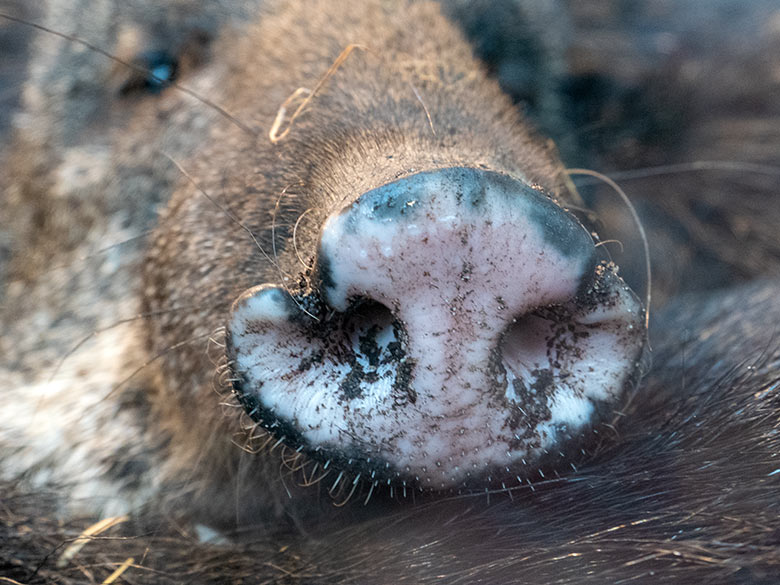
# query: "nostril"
x,y
526,345
371,330
374,345
543,354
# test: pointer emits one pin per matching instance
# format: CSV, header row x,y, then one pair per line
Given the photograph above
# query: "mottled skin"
x,y
688,493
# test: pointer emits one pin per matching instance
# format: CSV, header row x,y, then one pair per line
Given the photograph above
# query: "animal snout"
x,y
460,329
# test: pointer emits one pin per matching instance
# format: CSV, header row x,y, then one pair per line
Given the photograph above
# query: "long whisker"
x,y
100,330
295,235
151,360
229,214
242,225
689,167
637,222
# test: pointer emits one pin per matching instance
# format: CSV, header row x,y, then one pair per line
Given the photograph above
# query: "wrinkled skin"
x,y
680,486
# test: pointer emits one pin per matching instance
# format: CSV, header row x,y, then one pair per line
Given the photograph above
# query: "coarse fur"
x,y
112,308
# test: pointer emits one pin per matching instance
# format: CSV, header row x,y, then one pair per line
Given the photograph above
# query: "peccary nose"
x,y
474,331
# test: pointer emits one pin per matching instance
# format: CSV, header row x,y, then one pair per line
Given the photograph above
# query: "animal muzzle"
x,y
461,329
